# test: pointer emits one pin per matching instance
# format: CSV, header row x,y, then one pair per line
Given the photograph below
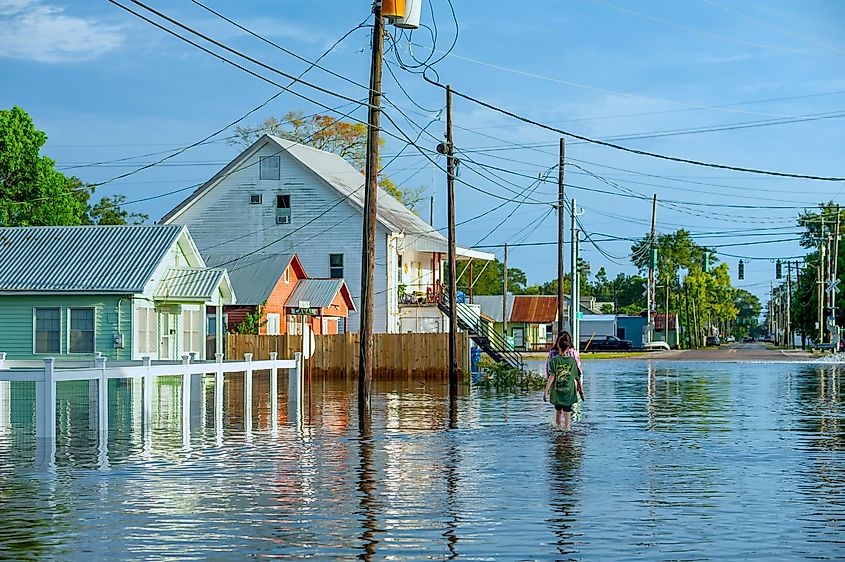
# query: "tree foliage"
x,y
34,193
488,279
347,140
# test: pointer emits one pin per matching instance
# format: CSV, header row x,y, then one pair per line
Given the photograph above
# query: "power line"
x,y
634,150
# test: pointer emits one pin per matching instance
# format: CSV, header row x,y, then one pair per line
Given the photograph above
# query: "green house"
x,y
125,292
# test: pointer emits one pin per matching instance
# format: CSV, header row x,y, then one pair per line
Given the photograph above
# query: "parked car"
x,y
656,346
713,341
748,339
605,343
730,339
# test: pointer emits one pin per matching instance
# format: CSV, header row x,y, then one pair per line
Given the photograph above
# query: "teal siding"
x,y
16,319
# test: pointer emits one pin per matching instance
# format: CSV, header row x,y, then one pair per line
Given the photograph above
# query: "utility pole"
x,y
453,270
651,264
561,229
431,211
575,305
505,298
666,316
365,365
789,337
833,289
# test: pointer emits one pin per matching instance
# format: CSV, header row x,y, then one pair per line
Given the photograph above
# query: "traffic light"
x,y
741,270
706,263
778,272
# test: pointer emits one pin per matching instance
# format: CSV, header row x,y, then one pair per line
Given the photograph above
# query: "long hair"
x,y
564,342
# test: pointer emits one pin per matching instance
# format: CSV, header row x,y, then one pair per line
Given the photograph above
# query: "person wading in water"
x,y
564,379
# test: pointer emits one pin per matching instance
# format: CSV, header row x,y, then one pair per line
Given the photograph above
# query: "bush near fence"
x,y
337,355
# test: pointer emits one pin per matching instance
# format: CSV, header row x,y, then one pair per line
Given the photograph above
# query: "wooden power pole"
x,y
505,298
651,281
453,270
365,364
561,230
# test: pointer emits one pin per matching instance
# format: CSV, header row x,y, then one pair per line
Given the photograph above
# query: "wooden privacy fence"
x,y
337,355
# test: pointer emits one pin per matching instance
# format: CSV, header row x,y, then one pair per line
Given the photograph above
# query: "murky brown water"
x,y
672,461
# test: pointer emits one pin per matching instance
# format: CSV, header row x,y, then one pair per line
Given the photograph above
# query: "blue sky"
x,y
105,85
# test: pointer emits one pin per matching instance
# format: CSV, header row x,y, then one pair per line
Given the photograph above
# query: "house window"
x,y
270,167
341,325
81,339
336,266
282,209
294,325
147,330
274,325
48,330
286,276
211,324
192,330
255,199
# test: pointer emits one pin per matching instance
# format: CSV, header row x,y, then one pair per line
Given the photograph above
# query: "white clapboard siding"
x,y
224,221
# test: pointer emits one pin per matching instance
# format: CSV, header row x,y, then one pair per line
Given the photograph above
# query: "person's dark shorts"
x,y
566,408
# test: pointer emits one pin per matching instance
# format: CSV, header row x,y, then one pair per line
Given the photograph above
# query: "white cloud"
x,y
44,33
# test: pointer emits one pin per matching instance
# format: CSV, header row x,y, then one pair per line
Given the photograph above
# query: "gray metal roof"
x,y
318,292
105,259
491,305
253,277
190,283
341,175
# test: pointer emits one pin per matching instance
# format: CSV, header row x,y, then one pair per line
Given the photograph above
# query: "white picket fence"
x,y
46,376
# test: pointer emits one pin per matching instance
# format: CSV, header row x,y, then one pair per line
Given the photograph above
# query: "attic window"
x,y
270,167
255,199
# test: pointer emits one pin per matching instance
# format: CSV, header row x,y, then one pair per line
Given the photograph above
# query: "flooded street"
x,y
667,461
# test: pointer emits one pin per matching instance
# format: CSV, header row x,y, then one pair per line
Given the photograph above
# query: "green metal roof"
x,y
190,283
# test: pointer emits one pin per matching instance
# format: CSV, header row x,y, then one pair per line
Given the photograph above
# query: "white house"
x,y
278,196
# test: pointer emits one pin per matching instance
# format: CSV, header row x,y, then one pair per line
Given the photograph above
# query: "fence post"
x,y
186,394
248,393
102,396
218,395
45,402
148,394
295,390
274,392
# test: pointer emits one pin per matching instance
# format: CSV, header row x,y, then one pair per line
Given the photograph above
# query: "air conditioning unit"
x,y
283,220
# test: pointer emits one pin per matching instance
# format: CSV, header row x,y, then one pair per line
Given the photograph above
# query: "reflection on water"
x,y
667,461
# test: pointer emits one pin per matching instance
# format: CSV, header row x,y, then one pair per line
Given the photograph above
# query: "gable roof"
x,y
335,172
188,283
538,309
90,259
319,293
254,277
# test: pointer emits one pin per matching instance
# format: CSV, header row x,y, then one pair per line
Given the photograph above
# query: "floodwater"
x,y
667,461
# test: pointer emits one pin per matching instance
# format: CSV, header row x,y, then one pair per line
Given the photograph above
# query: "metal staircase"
x,y
483,334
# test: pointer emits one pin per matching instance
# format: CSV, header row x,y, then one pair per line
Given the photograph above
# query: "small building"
x,y
274,289
631,328
532,322
125,292
597,325
661,334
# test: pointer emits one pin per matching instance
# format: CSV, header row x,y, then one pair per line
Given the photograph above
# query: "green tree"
x,y
34,193
748,315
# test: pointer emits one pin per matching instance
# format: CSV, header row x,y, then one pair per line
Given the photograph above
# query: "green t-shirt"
x,y
564,369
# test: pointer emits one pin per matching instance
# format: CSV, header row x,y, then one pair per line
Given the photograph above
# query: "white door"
x,y
518,338
274,324
169,334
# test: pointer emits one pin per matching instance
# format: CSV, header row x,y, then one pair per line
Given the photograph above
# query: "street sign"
x,y
831,321
832,286
579,315
310,311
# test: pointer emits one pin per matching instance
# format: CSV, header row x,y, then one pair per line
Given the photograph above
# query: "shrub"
x,y
500,376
